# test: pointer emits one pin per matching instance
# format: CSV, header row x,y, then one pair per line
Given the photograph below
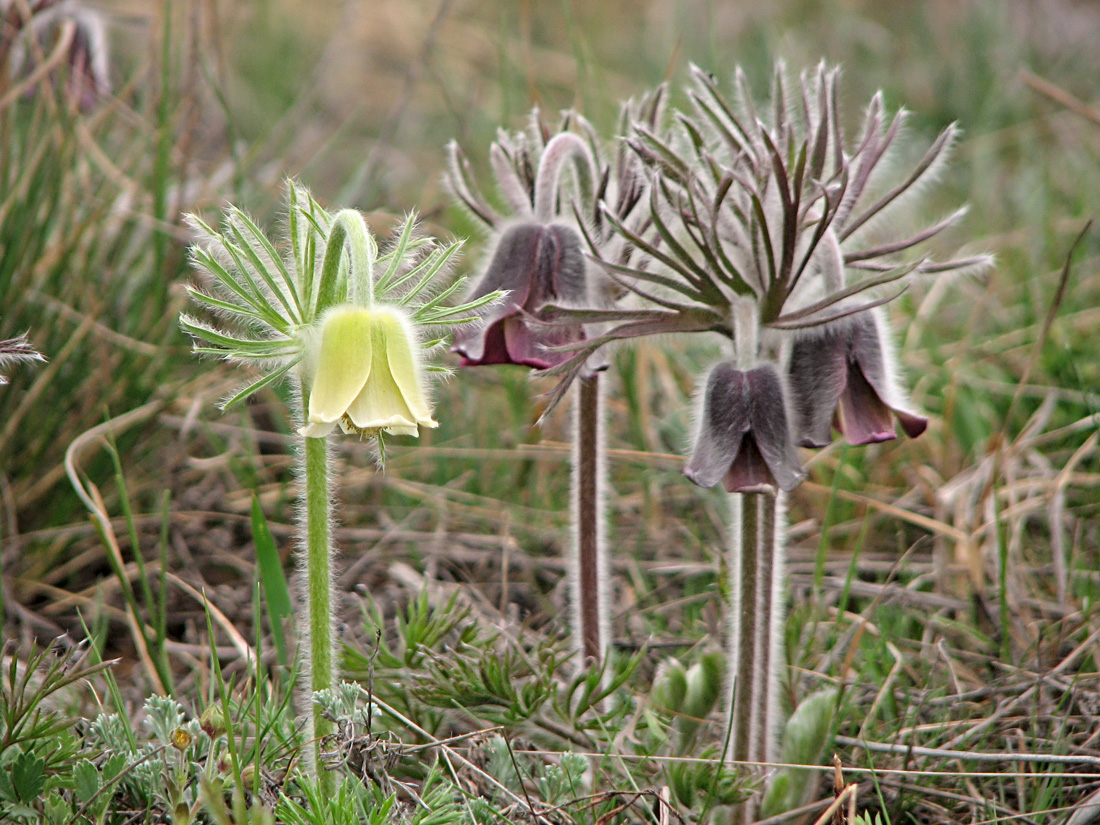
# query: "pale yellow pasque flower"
x,y
367,375
355,325
352,326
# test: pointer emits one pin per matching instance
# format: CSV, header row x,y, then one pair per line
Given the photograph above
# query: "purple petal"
x,y
561,269
861,415
525,347
513,266
865,414
724,425
511,269
749,470
912,423
771,435
817,377
538,265
866,352
840,379
482,346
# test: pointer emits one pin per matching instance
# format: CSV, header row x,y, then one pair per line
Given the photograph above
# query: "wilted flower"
x,y
15,350
844,377
368,376
743,439
537,265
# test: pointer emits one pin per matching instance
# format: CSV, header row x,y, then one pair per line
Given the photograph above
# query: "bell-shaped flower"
x,y
538,265
366,375
846,378
743,438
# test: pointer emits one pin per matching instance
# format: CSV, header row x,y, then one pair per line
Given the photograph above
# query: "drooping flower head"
x,y
743,439
554,184
774,209
368,375
348,321
537,265
844,377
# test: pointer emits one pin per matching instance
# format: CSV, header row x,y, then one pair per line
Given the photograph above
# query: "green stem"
x,y
349,233
589,565
318,546
756,624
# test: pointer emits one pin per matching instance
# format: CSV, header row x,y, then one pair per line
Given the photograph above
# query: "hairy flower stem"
x,y
756,572
588,563
318,545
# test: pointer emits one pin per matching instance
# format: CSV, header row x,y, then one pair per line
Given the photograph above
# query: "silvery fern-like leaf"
x,y
750,203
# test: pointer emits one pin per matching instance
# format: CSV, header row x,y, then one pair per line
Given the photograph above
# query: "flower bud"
x,y
212,721
669,685
181,739
704,685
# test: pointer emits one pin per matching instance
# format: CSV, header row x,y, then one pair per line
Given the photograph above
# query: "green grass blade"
x,y
272,579
156,644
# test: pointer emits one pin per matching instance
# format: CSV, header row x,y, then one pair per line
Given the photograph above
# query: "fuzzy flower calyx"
x,y
368,376
743,438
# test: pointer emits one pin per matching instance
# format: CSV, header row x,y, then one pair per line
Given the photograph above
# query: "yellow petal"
x,y
344,365
405,370
392,400
316,430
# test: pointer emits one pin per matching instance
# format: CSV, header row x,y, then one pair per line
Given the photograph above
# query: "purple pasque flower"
x,y
537,265
563,196
38,27
776,205
846,377
743,439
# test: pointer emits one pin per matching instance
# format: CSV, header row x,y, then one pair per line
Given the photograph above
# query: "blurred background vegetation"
x,y
995,511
